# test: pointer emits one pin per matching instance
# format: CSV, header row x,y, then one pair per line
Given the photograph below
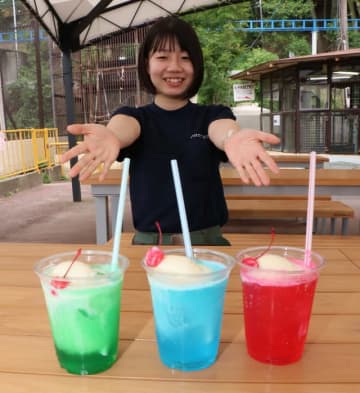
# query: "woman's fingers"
x,y
73,152
90,168
253,171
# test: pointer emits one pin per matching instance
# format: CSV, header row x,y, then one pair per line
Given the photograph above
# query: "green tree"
x,y
21,95
226,48
23,16
222,45
284,43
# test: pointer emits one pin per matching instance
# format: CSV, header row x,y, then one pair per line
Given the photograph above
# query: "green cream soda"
x,y
83,309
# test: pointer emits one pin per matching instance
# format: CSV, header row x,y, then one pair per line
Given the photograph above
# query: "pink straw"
x,y
310,208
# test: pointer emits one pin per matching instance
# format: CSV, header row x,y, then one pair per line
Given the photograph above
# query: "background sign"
x,y
244,91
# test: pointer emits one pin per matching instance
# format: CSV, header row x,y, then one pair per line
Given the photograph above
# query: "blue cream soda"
x,y
188,313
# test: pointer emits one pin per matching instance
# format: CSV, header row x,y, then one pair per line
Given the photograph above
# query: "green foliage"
x,y
253,57
45,177
281,9
21,95
221,45
23,16
354,39
22,100
284,43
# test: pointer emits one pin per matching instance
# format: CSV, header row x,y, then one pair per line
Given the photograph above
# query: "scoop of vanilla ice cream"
x,y
180,264
78,270
277,262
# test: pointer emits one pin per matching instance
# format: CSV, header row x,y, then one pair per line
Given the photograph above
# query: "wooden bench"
x,y
290,208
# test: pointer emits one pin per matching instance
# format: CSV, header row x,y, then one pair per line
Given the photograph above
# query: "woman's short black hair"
x,y
173,30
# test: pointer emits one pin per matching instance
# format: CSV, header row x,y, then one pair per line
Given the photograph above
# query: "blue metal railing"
x,y
294,25
20,36
252,25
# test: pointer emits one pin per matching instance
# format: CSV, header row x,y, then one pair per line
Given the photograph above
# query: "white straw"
x,y
310,208
181,207
120,214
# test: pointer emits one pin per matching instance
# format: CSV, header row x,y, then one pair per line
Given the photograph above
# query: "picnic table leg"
x,y
102,231
114,208
344,226
333,225
316,223
322,225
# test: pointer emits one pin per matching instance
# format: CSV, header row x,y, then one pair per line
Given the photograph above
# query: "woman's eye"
x,y
185,56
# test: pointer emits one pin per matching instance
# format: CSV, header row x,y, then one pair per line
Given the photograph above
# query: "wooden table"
x,y
330,363
297,160
339,182
106,195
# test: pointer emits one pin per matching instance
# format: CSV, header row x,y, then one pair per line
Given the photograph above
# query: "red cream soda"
x,y
277,307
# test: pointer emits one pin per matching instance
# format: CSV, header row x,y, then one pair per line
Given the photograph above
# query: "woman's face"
x,y
171,71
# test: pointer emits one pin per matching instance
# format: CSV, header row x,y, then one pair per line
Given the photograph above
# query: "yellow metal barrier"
x,y
27,150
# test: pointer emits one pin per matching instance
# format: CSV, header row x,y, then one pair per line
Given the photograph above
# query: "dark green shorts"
x,y
205,237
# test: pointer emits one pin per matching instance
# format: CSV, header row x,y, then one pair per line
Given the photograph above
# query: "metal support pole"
x,y
344,41
314,37
70,117
16,35
2,111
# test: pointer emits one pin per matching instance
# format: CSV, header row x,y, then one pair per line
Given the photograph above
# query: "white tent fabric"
x,y
74,24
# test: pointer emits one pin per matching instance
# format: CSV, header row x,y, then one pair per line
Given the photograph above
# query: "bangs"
x,y
164,42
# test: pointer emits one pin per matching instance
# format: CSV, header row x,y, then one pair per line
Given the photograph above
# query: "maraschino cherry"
x,y
154,255
61,284
253,261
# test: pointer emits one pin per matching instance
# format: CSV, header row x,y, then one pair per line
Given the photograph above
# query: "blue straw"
x,y
120,214
182,211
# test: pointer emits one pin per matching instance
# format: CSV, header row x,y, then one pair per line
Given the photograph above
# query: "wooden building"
x,y
311,102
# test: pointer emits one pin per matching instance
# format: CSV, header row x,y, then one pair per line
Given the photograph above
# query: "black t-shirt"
x,y
182,135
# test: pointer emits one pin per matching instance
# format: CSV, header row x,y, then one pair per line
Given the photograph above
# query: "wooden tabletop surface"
x,y
299,177
286,176
299,158
330,362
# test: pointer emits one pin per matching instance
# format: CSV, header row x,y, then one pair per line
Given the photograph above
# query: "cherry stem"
x,y
157,224
76,256
269,246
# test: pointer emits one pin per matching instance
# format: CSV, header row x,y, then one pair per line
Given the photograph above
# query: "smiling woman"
x,y
171,68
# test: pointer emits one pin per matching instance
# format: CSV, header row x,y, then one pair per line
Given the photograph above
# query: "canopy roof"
x,y
255,73
74,24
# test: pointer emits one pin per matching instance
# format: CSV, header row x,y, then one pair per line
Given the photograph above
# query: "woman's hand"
x,y
246,153
100,147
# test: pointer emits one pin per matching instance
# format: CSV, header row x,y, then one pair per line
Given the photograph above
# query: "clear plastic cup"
x,y
188,310
277,305
84,313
